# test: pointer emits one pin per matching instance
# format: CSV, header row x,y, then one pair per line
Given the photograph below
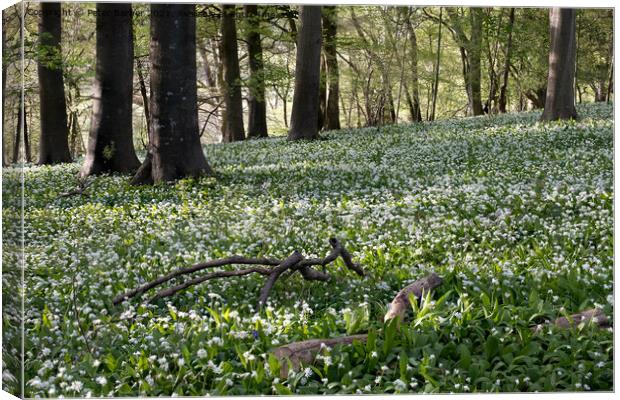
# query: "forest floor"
x,y
515,216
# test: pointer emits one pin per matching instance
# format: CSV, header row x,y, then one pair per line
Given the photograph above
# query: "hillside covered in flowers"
x,y
515,215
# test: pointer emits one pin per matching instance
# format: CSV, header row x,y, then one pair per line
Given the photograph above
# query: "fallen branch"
x,y
594,315
83,184
295,262
399,306
307,350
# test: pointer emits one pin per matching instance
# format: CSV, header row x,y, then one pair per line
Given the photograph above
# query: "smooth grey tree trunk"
x,y
330,29
174,149
233,115
560,100
305,113
54,138
110,142
474,51
416,114
504,88
257,113
436,69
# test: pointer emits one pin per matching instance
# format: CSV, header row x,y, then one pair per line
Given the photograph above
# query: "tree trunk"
x,y
18,129
175,150
257,119
322,93
416,114
330,29
560,100
233,115
473,55
436,68
145,98
54,139
27,152
4,69
305,113
504,87
110,140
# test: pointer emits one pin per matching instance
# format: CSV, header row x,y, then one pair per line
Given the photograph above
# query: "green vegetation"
x,y
514,214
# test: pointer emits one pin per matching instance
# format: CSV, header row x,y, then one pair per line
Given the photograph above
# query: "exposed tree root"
x,y
294,262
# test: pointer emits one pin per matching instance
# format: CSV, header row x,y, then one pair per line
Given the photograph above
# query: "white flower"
x,y
400,385
101,380
202,353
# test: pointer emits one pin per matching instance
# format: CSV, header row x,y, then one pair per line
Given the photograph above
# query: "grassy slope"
x,y
515,215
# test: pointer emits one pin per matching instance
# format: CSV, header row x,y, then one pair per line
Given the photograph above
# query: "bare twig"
x,y
83,184
289,262
295,262
194,268
218,274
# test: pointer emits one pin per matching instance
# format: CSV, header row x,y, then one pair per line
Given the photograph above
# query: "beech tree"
x,y
110,145
305,113
233,114
174,143
54,139
330,29
257,113
560,100
470,48
503,89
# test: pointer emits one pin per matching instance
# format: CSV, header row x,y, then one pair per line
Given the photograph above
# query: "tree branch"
x,y
295,262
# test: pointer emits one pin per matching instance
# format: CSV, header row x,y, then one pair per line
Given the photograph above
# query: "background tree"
x,y
304,117
505,74
174,149
110,145
257,112
416,114
470,48
54,136
330,29
560,102
233,116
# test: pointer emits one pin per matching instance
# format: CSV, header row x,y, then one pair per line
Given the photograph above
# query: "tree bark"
x,y
474,51
416,114
504,88
560,100
304,116
54,138
18,129
145,97
257,118
470,49
436,68
110,141
330,29
233,114
175,150
322,93
27,152
4,70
